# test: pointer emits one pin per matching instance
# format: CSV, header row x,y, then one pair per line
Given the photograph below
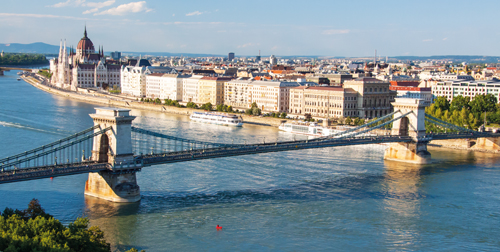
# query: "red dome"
x,y
85,43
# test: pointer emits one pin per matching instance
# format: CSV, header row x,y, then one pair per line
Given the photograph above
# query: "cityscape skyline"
x,y
330,28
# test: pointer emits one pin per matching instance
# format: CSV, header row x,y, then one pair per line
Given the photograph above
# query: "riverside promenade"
x,y
128,102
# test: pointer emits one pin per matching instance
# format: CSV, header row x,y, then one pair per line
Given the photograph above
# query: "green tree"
x,y
357,121
38,231
348,120
442,103
256,111
207,106
191,105
219,107
459,102
229,109
483,103
283,115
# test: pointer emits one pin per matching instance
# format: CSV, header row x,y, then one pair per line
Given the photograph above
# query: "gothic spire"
x,y
85,32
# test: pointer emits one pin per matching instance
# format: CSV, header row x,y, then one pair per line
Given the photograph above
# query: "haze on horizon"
x,y
323,28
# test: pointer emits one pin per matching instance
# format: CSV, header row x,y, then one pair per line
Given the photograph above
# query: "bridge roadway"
x,y
14,68
23,174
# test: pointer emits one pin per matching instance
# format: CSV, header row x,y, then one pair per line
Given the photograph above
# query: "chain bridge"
x,y
113,150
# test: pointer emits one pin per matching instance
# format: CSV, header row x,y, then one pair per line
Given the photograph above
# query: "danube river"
x,y
345,198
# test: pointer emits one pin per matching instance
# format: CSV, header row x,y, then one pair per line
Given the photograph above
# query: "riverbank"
x,y
124,102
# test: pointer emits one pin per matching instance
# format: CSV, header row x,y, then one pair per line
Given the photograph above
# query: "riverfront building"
x,y
211,89
133,78
450,89
271,96
190,88
237,93
83,68
374,97
165,86
323,102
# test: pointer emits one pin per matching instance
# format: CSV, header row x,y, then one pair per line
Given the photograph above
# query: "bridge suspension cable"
x,y
448,125
50,145
347,132
69,153
165,143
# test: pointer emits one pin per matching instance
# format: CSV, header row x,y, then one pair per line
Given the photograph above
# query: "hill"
x,y
38,47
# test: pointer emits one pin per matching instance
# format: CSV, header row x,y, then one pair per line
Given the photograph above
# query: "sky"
x,y
284,28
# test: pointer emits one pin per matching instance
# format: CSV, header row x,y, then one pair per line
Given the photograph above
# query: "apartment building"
x,y
271,96
237,93
211,89
323,102
190,88
450,89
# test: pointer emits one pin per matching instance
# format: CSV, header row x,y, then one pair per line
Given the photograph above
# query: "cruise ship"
x,y
217,118
313,129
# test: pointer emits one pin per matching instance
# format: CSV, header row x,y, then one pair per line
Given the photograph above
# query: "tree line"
x,y
32,229
464,112
14,59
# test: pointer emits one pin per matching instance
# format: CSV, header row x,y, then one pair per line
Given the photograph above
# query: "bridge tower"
x,y
412,125
113,147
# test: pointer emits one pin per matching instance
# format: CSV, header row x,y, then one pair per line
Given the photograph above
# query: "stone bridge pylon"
x,y
412,125
113,147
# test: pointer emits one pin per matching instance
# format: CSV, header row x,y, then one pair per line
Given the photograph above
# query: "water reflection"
x,y
117,220
401,206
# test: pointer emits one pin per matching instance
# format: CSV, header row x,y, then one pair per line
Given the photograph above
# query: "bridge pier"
x,y
412,125
408,152
488,144
113,187
113,147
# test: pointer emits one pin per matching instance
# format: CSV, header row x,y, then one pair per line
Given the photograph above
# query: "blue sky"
x,y
325,28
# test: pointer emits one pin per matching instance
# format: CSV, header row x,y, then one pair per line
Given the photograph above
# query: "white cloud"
x,y
100,5
39,16
333,32
173,15
445,39
68,3
123,9
427,40
91,11
194,13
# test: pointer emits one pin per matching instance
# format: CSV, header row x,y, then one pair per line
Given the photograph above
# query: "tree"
x,y
357,121
248,111
38,231
459,102
442,103
254,105
229,109
207,106
191,105
348,120
219,107
483,103
283,115
256,111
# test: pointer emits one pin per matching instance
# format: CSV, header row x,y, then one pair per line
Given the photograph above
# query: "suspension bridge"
x,y
113,150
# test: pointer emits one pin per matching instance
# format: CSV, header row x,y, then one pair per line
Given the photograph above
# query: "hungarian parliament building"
x,y
84,68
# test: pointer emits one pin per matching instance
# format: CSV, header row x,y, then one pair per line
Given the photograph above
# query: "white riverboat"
x,y
313,129
310,129
217,118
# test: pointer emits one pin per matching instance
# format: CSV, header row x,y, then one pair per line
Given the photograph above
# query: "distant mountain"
x,y
167,54
38,47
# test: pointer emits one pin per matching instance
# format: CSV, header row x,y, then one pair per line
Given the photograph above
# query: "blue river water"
x,y
345,198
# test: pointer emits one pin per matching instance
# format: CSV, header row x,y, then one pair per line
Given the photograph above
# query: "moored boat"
x,y
217,118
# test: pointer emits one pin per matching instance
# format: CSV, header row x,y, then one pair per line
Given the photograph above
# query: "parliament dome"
x,y
85,45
